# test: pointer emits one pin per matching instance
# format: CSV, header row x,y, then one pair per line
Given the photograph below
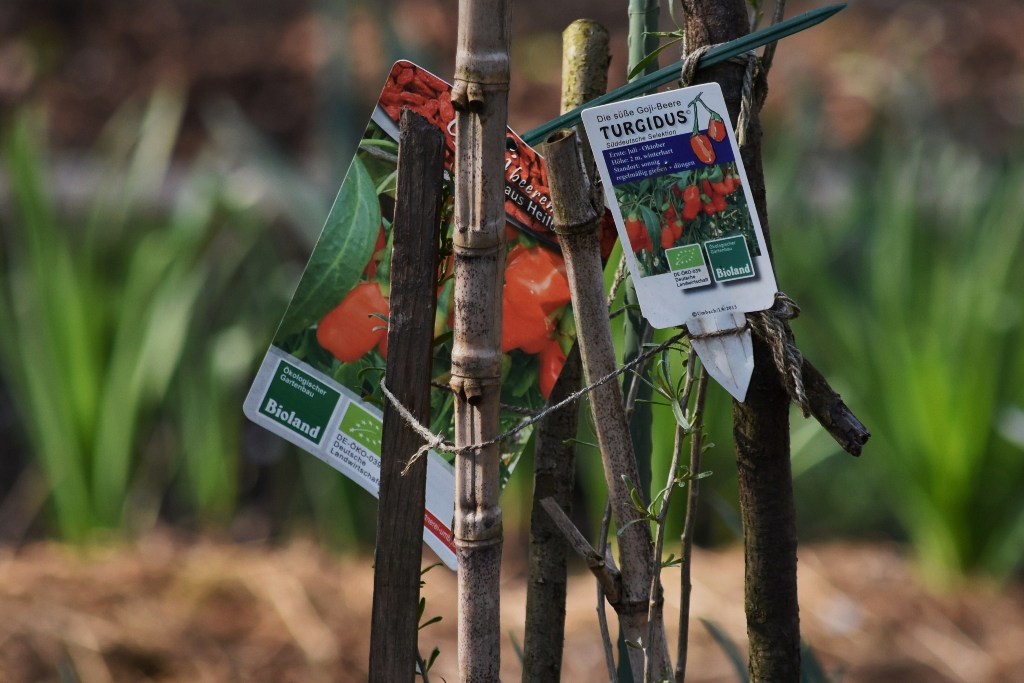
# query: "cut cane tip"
x,y
559,135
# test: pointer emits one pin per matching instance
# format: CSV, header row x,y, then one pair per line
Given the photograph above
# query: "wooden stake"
x,y
585,57
396,562
761,423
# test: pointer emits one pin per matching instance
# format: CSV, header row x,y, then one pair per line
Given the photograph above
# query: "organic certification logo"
x,y
363,426
681,258
686,263
300,402
730,259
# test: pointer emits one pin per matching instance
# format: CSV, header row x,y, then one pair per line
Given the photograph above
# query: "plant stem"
x,y
576,223
692,496
602,613
654,608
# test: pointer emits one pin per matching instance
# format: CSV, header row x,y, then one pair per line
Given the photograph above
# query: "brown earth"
x,y
168,610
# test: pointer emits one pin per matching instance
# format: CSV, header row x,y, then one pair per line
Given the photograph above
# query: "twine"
x,y
438,442
772,326
690,61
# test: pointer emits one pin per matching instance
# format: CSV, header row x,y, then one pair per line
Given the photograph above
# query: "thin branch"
x,y
602,613
607,574
832,413
692,496
655,603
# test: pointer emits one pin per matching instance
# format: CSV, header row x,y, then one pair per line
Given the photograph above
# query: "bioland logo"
x,y
730,258
300,402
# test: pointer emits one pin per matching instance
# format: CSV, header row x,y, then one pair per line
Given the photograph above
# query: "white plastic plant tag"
x,y
324,417
675,183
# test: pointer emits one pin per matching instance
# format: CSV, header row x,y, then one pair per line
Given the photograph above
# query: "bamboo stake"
x,y
643,21
576,223
585,58
480,97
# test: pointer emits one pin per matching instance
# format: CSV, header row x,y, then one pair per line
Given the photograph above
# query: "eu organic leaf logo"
x,y
363,426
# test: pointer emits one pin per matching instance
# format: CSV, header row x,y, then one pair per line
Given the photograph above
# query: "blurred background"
x,y
167,166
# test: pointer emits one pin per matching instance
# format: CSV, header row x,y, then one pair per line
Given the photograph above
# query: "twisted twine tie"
x,y
772,325
439,443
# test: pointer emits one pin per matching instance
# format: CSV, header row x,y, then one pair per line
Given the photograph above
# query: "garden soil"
x,y
199,610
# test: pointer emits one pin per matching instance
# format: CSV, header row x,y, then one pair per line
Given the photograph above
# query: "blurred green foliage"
x,y
128,334
906,262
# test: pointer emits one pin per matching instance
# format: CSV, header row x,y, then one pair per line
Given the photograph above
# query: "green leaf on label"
x,y
342,252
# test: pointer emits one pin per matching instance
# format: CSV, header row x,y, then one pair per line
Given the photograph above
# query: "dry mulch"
x,y
165,609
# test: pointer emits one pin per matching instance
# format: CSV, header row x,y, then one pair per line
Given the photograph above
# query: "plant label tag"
x,y
318,386
675,184
303,405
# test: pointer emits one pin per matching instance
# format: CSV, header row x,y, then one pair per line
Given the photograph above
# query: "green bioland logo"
x,y
300,402
730,259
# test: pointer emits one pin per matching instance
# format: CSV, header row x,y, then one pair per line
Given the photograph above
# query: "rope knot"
x,y
772,325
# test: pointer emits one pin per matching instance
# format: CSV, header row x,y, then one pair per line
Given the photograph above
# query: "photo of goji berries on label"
x,y
336,324
676,209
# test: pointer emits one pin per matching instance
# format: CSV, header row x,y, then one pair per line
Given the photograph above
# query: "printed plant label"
x,y
318,386
318,414
675,184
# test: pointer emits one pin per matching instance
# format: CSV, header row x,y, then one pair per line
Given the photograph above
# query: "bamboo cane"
x,y
480,97
636,331
576,223
643,20
585,57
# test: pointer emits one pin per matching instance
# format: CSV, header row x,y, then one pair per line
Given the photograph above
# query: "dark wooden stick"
x,y
396,575
761,423
554,464
585,57
829,409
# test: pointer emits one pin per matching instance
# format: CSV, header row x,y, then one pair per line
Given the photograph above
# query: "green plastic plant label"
x,y
675,184
318,386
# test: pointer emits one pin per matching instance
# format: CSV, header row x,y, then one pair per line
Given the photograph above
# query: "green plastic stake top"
x,y
715,55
